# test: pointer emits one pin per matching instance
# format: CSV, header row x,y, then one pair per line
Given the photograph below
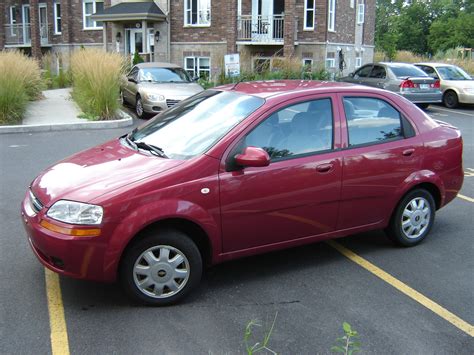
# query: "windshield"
x,y
193,126
407,70
164,75
452,73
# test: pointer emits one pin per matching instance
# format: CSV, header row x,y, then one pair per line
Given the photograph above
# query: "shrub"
x,y
96,76
137,59
20,81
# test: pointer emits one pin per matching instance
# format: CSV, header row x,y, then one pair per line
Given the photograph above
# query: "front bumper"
x,y
78,257
159,106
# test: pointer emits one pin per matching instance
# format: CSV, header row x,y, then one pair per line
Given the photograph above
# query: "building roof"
x,y
127,11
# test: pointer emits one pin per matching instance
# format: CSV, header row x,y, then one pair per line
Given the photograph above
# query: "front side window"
x,y
309,12
298,129
57,18
331,15
197,123
197,12
90,7
360,12
371,120
198,67
363,72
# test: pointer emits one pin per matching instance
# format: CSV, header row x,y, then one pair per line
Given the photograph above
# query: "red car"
x,y
239,170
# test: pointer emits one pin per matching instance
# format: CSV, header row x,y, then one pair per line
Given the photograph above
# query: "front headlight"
x,y
76,212
154,97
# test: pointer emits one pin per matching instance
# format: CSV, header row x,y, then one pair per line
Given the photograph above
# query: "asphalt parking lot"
x,y
312,289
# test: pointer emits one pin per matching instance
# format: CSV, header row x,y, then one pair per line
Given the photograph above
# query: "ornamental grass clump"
x,y
20,81
96,76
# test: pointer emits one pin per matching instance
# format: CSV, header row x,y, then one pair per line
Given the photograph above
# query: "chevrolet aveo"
x,y
240,170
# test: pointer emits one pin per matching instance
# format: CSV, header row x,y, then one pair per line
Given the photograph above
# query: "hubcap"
x,y
161,271
416,217
139,107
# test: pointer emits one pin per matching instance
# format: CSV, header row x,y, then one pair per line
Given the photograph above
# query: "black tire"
x,y
398,233
161,273
139,107
423,106
450,99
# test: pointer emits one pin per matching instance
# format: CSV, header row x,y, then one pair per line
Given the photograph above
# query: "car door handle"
x,y
324,168
408,152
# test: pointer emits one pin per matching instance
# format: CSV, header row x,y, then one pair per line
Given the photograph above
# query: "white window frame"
x,y
358,61
12,13
306,11
360,13
94,10
57,16
332,15
305,64
188,14
330,63
196,69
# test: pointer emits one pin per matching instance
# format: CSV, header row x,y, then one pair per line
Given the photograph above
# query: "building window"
x,y
12,20
198,66
309,11
57,18
360,12
331,15
358,61
307,64
90,7
330,60
197,12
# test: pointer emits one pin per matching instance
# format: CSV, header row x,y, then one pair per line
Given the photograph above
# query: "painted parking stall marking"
x,y
466,198
57,321
404,288
451,111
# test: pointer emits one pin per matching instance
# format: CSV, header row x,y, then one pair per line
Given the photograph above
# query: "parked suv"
x,y
241,170
404,79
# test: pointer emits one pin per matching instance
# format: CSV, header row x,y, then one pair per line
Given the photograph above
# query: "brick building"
x,y
196,34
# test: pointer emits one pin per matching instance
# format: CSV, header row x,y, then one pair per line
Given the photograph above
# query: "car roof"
x,y
436,64
396,64
269,88
157,65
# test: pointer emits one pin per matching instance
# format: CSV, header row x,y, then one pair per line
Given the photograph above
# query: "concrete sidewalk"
x,y
57,111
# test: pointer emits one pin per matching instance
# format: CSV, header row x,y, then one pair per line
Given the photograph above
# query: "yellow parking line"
x,y
404,288
470,199
57,322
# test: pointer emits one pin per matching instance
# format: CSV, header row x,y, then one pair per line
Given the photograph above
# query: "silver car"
x,y
405,79
154,87
457,86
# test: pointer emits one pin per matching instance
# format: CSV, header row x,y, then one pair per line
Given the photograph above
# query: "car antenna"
x,y
237,83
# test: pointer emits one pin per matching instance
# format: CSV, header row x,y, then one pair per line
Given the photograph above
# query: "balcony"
x,y
20,35
259,29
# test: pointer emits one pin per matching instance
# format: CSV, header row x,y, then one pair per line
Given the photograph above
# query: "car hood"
x,y
168,90
97,171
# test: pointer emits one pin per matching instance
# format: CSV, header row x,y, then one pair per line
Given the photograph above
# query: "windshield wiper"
x,y
130,142
152,148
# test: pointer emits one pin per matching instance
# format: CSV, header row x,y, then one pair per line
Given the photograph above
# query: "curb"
x,y
126,121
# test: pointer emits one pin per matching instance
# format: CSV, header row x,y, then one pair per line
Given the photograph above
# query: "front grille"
x,y
171,103
36,204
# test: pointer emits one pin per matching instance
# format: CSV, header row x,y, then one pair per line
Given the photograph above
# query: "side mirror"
x,y
196,78
351,75
132,80
253,157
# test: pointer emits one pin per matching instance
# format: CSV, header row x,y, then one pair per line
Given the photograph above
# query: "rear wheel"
x,y
450,99
413,218
423,106
161,269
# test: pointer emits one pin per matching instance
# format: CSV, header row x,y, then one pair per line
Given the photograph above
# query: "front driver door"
x,y
297,195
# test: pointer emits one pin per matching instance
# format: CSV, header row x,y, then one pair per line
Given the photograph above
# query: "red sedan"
x,y
240,170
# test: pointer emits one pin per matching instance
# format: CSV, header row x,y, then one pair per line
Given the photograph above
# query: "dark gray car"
x,y
404,79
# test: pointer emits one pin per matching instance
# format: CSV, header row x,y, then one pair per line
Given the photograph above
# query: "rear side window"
x,y
371,120
378,72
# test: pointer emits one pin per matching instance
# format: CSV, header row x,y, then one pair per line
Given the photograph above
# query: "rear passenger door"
x,y
377,77
380,151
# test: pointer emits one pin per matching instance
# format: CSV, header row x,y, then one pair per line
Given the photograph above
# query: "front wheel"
x,y
161,269
139,108
413,218
450,99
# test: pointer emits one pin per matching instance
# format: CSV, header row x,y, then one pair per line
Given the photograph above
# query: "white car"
x,y
457,86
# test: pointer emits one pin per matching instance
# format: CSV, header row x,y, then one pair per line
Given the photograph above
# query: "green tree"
x,y
413,27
